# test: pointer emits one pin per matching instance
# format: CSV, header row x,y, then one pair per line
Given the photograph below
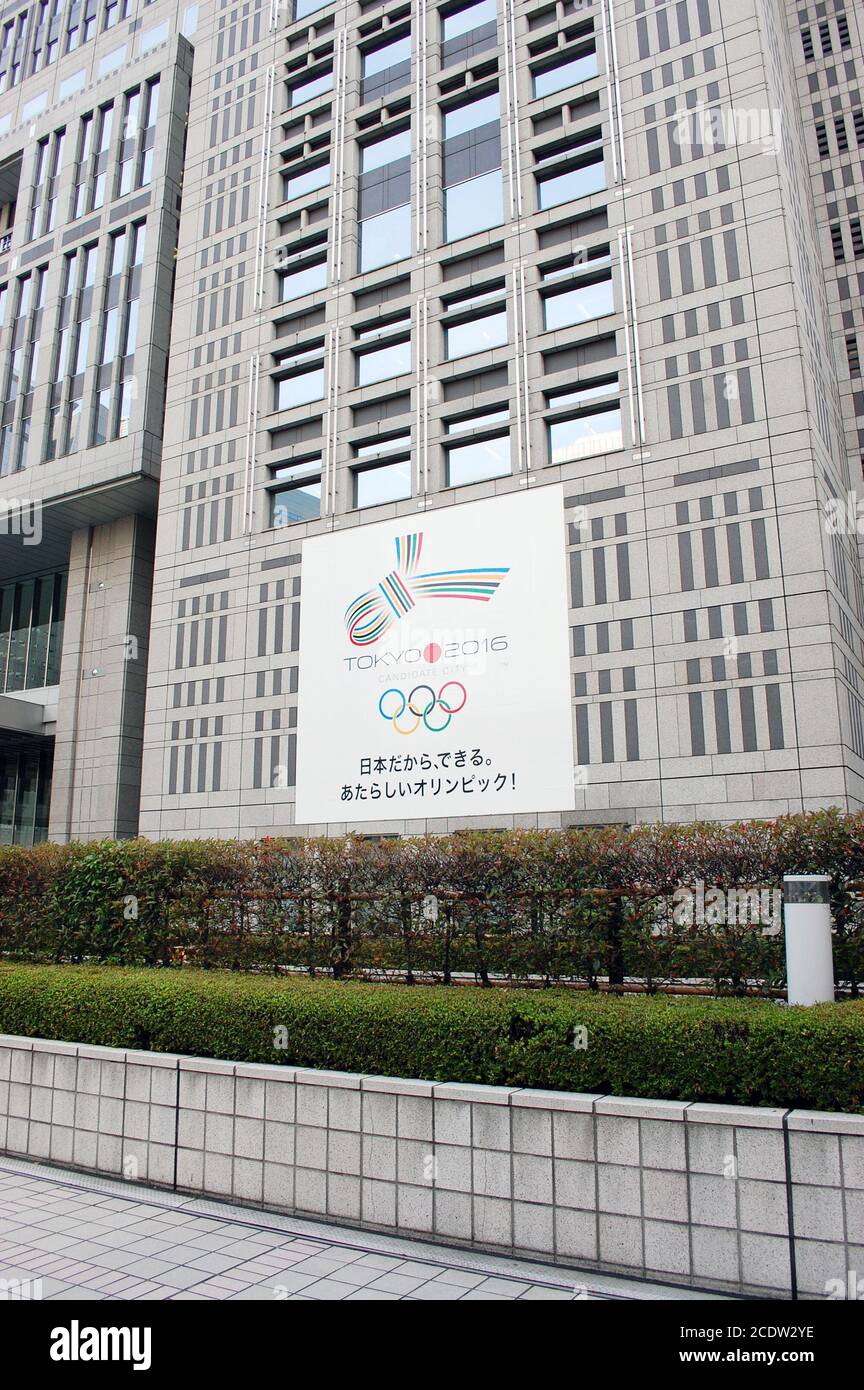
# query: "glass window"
x,y
189,24
115,10
385,151
383,363
385,238
312,87
573,183
304,7
145,167
472,423
303,281
299,499
468,17
27,611
131,122
579,304
292,504
473,206
19,635
476,335
585,435
391,482
37,654
385,69
100,157
566,74
396,442
379,59
384,206
598,258
55,638
306,180
472,115
580,394
479,460
473,190
300,389
468,30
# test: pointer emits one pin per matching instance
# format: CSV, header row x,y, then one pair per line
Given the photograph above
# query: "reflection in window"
x,y
308,277
119,335
82,167
388,482
573,183
467,30
25,792
394,443
384,205
583,436
383,363
81,24
385,238
385,69
43,202
99,173
74,339
298,498
579,304
473,192
129,337
31,632
479,459
478,334
567,74
312,87
300,388
588,391
306,180
304,7
468,424
115,10
22,370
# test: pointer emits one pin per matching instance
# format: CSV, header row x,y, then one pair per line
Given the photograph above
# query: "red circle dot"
x,y
432,652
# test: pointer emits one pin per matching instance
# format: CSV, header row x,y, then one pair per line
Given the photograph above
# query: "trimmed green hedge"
x,y
555,906
744,1052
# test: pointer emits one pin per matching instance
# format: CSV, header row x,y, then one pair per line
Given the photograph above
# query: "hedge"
x,y
747,1052
546,907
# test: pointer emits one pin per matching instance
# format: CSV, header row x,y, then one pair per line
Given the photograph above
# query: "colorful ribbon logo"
x,y
421,704
370,615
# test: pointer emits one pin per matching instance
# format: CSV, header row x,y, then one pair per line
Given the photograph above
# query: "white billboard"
x,y
434,665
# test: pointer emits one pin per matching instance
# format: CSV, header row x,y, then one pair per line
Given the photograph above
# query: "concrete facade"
x,y
741,1200
705,158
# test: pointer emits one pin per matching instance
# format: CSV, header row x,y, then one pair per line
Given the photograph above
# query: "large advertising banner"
x,y
434,665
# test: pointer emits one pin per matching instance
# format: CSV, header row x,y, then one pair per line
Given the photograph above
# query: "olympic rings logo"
x,y
421,705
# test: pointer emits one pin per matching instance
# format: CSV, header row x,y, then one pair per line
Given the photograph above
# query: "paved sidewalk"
x,y
88,1238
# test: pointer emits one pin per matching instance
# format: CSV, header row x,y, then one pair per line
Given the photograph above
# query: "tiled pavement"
x,y
88,1238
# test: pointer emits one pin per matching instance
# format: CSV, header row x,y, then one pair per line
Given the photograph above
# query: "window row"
x,y
37,35
104,168
581,423
473,190
473,322
76,420
107,407
466,31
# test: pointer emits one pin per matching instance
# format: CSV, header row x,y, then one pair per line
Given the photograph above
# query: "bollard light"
x,y
807,923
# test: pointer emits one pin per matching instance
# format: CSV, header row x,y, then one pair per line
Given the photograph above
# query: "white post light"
x,y
807,918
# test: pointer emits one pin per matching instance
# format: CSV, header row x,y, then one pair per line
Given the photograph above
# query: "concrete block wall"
x,y
756,1201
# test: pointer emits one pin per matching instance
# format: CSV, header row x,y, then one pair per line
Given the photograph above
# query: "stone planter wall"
x,y
721,1197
